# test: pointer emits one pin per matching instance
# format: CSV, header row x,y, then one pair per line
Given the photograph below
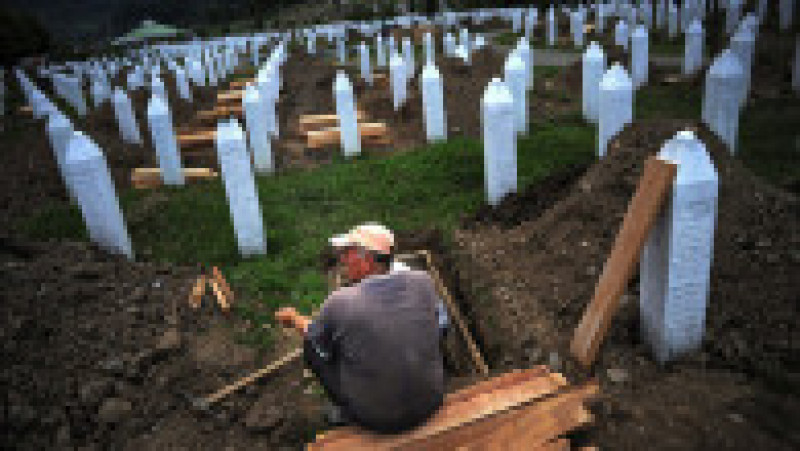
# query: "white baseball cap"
x,y
370,235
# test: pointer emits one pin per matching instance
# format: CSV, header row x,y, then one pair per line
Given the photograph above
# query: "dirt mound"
x,y
102,352
525,313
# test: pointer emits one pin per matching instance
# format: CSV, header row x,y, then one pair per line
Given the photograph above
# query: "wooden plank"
x,y
241,83
332,136
220,111
223,284
204,137
451,415
151,177
220,295
652,190
236,94
311,122
454,311
197,292
228,389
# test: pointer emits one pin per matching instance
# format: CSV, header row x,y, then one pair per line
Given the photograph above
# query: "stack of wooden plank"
x,y
151,177
320,131
522,410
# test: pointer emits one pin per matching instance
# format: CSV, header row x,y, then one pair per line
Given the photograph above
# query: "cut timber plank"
x,y
242,83
452,415
151,177
197,292
332,136
652,190
220,111
455,312
316,121
223,285
529,426
235,94
202,137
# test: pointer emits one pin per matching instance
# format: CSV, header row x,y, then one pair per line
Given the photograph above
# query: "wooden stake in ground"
x,y
206,402
477,358
197,292
652,190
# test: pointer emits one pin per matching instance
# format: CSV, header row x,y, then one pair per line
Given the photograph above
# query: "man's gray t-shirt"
x,y
382,336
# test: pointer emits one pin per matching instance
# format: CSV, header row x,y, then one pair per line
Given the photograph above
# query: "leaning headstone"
x,y
164,141
398,80
346,114
60,131
366,71
616,105
433,104
721,98
676,261
515,79
126,120
594,65
639,56
257,124
693,52
87,171
499,141
240,187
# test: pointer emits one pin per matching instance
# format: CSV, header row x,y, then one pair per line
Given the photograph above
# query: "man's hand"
x,y
288,317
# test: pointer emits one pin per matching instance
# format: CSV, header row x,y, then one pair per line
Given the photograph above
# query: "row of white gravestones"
x,y
676,261
499,141
164,141
398,80
594,65
693,50
346,114
256,121
86,171
722,97
639,56
433,103
615,105
240,188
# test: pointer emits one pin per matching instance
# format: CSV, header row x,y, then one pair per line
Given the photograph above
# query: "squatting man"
x,y
374,346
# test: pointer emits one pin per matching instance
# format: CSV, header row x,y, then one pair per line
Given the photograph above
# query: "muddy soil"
x,y
722,396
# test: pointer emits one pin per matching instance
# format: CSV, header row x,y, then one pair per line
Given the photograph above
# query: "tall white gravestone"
x,y
164,141
433,104
552,30
88,174
693,51
366,71
721,98
182,84
346,114
515,80
240,188
123,111
676,261
594,65
256,122
616,105
499,141
398,80
639,56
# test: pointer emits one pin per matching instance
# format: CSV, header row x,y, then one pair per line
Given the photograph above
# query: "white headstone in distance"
x,y
722,97
182,84
398,80
126,120
380,52
60,131
676,261
594,65
499,141
346,114
743,45
672,20
615,105
526,53
693,51
240,187
87,171
621,36
257,129
433,104
341,51
408,58
74,86
164,141
366,70
639,56
515,78
430,55
552,27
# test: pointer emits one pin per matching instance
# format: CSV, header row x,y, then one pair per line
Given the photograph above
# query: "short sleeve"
x,y
321,333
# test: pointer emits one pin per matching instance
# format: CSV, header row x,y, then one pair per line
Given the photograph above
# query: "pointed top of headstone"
x,y
342,81
640,31
156,106
514,63
727,65
229,130
430,72
497,93
594,51
690,153
56,119
251,93
696,27
616,77
81,148
396,60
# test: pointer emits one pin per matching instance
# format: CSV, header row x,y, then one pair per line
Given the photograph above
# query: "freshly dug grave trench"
x,y
527,286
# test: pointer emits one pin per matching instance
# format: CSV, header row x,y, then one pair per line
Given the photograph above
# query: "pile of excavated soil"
x,y
527,286
103,353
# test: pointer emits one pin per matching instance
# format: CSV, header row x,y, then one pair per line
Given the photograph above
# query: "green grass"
x,y
672,101
428,187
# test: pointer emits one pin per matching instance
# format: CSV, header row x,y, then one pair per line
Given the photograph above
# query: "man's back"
x,y
385,338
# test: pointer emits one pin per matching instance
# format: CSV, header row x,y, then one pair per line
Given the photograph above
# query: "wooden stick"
x,y
220,295
652,190
197,292
477,358
332,135
223,285
247,380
